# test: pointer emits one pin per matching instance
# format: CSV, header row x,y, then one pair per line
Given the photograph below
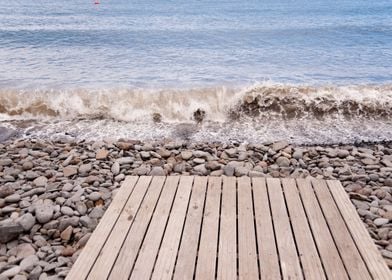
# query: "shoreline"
x,y
55,192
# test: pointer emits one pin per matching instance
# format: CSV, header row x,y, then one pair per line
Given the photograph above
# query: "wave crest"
x,y
221,104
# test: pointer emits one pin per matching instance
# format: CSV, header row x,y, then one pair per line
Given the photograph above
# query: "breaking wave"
x,y
262,112
219,104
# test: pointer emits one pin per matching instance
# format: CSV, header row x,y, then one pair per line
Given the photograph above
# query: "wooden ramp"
x,y
230,228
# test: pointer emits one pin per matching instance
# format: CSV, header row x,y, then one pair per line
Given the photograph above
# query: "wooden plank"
x,y
227,253
354,264
168,251
310,260
110,250
149,250
268,255
289,262
206,261
329,255
90,252
247,255
187,253
368,250
126,258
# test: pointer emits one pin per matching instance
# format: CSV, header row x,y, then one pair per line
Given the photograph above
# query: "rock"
x,y
142,170
298,154
87,222
277,146
213,165
27,165
96,213
119,177
283,162
13,198
70,171
84,169
388,182
360,204
164,153
40,181
102,154
241,171
386,254
66,222
68,211
83,241
67,233
179,167
9,231
157,171
81,208
186,155
35,273
6,133
115,168
28,263
201,169
27,221
94,196
10,272
124,145
68,251
20,277
145,155
380,221
31,175
343,153
6,191
125,160
199,160
44,212
67,187
5,162
228,170
231,152
24,250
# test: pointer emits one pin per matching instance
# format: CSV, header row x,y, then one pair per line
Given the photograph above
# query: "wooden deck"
x,y
230,228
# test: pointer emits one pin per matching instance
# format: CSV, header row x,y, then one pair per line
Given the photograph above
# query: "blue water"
x,y
155,44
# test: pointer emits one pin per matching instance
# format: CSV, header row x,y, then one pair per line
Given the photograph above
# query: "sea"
x,y
309,72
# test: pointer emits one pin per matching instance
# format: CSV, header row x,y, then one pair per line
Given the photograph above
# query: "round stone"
x,y
283,162
12,198
94,196
44,213
40,181
27,221
380,221
67,211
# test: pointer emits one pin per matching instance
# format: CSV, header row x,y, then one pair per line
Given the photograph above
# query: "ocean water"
x,y
305,71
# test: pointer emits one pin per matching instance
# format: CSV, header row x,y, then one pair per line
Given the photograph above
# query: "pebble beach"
x,y
94,91
53,193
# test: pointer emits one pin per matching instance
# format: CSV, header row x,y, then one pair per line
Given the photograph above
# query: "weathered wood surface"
x,y
230,228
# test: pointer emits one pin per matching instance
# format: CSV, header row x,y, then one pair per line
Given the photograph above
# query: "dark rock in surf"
x,y
199,115
156,117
